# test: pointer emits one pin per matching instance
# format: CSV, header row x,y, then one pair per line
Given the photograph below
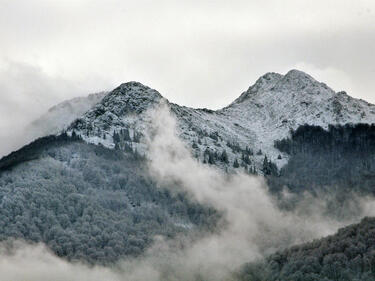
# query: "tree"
x,y
116,137
224,157
211,158
126,134
269,168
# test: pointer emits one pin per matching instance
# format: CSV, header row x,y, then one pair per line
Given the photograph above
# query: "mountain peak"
x,y
294,81
131,85
128,99
266,112
264,83
135,89
130,96
298,74
266,80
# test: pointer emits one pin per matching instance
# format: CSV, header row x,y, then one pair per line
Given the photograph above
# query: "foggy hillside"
x,y
187,140
347,255
53,121
137,186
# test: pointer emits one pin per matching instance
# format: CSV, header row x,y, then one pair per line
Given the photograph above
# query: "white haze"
x,y
197,53
252,224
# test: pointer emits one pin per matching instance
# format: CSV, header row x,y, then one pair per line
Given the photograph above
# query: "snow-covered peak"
x,y
129,97
296,98
269,112
264,83
123,108
266,112
296,80
298,75
292,82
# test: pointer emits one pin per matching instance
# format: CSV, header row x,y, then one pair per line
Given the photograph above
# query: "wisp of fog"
x,y
251,226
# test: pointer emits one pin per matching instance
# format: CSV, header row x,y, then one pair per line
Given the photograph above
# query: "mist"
x,y
251,226
199,54
27,95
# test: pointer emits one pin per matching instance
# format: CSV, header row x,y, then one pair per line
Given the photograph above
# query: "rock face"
x,y
125,108
246,129
266,112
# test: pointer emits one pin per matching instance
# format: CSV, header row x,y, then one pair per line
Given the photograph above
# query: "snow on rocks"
x,y
249,126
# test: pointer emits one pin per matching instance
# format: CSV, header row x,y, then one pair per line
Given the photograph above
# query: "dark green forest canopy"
x,y
347,255
338,162
90,203
94,204
341,157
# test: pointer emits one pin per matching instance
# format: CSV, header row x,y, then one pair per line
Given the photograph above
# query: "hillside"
x,y
56,119
246,129
86,191
89,203
61,115
347,255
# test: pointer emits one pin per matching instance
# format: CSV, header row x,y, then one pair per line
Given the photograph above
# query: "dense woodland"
x,y
341,158
348,255
94,204
89,203
338,163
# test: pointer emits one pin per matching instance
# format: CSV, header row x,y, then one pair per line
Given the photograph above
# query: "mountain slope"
x,y
347,255
58,118
266,112
92,180
339,159
276,104
90,203
63,114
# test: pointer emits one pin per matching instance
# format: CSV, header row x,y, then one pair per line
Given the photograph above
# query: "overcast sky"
x,y
195,53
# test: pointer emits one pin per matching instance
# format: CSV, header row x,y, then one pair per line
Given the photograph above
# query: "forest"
x,y
346,256
89,203
337,163
98,205
341,157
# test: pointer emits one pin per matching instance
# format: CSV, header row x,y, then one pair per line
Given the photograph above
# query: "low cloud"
x,y
26,93
252,224
37,263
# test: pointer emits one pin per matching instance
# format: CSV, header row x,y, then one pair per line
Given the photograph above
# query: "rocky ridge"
x,y
246,129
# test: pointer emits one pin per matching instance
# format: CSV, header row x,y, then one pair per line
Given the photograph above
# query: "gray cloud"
x,y
197,53
252,224
26,91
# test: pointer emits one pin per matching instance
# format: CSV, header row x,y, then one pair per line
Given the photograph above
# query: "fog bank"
x,y
251,227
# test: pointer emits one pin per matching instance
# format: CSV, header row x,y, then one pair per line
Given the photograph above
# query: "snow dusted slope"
x,y
276,104
123,108
60,116
266,112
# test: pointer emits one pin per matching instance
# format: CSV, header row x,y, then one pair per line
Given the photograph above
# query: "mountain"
x,y
246,129
90,203
54,121
86,192
347,255
61,115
